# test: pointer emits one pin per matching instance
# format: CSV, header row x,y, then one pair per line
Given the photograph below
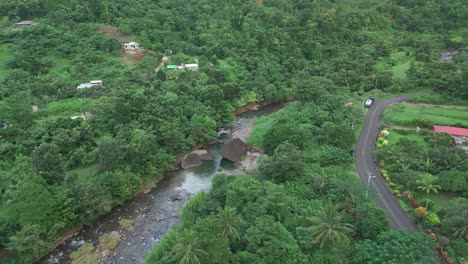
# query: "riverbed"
x,y
154,213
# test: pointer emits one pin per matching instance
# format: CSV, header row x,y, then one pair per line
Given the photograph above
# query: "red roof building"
x,y
454,131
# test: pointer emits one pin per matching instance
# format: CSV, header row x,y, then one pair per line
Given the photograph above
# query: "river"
x,y
155,212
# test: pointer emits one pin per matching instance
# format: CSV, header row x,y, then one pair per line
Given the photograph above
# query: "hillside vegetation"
x,y
57,173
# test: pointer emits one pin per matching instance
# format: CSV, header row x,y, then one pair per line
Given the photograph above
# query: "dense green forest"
x,y
57,173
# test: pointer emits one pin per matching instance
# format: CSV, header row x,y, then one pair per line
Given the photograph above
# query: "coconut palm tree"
x,y
229,221
187,249
327,226
426,184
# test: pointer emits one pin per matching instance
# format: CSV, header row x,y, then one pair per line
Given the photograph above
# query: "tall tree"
x,y
327,227
187,249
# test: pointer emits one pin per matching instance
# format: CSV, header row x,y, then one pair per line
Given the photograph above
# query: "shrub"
x,y
428,203
108,241
432,219
420,212
414,203
380,139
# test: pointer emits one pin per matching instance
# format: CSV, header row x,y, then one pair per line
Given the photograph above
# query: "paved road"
x,y
365,164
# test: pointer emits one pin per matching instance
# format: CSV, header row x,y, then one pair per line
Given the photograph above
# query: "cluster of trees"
x,y
301,207
248,52
414,169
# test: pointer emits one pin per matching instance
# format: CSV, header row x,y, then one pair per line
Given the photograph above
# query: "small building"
x,y
84,116
458,134
84,86
35,108
192,66
172,66
96,83
25,23
131,46
89,85
180,67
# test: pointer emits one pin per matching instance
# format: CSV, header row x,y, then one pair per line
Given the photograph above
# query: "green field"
x,y
5,55
262,124
412,115
394,137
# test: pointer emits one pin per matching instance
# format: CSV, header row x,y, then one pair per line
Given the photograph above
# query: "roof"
x,y
454,131
131,43
171,66
191,65
25,22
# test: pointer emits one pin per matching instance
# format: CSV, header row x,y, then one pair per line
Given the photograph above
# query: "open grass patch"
x,y
85,249
126,224
412,115
395,136
262,124
69,107
108,241
398,63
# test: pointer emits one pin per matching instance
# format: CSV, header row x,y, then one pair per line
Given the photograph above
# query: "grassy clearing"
x,y
398,63
262,124
411,115
5,55
394,137
68,107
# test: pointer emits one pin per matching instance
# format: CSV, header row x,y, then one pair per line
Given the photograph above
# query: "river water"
x,y
155,212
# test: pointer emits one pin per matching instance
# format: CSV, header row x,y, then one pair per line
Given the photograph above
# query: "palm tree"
x,y
187,249
229,221
426,184
327,226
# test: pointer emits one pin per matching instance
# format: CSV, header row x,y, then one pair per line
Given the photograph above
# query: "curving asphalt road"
x,y
365,165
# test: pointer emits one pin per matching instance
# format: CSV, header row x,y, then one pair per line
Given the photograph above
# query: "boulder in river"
x,y
191,160
235,150
203,154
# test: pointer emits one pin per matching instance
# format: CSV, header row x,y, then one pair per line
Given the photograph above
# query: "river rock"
x,y
235,150
176,197
191,160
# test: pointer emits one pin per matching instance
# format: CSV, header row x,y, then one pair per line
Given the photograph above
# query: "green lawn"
x,y
411,115
394,137
262,124
5,55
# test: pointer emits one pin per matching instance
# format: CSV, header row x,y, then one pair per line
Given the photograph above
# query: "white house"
x,y
89,85
96,83
131,46
192,66
84,86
